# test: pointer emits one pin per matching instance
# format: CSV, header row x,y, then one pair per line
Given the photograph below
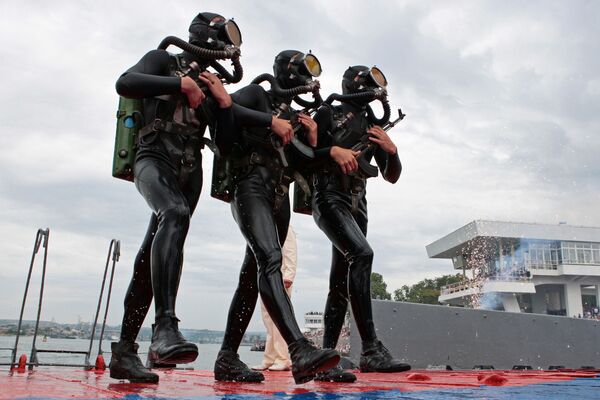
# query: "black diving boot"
x,y
307,360
336,374
376,357
126,364
152,364
229,367
168,344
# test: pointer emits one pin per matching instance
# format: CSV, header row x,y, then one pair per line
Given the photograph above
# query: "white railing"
x,y
542,265
466,285
457,287
502,278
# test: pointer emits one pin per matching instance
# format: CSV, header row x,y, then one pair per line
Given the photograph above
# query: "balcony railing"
x,y
457,287
542,265
466,285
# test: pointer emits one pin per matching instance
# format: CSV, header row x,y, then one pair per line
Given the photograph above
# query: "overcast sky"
x,y
502,101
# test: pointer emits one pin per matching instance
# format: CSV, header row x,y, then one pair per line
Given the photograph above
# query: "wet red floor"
x,y
74,383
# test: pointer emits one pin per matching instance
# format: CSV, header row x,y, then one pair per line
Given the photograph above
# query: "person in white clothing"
x,y
276,357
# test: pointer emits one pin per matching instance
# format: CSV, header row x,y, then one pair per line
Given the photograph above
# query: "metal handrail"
x,y
39,312
61,351
114,249
41,240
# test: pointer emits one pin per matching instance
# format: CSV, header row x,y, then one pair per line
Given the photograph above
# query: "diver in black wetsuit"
x,y
340,210
260,206
168,174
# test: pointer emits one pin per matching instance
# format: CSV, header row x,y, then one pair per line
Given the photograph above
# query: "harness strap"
x,y
299,179
188,161
212,146
286,175
355,187
167,126
352,185
355,194
281,190
160,125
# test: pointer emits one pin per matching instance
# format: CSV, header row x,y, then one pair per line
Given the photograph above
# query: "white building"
x,y
522,267
313,321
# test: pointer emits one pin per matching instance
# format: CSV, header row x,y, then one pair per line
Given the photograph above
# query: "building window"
x,y
543,255
580,253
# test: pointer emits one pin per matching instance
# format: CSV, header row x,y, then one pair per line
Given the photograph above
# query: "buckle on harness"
x,y
355,193
157,125
188,161
280,191
255,158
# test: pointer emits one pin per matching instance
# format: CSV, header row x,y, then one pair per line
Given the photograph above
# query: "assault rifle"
x,y
295,143
195,69
192,70
365,169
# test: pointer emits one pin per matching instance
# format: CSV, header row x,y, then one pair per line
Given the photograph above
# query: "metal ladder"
x,y
41,240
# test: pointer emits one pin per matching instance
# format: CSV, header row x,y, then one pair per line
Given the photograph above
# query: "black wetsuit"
x,y
168,174
345,223
264,226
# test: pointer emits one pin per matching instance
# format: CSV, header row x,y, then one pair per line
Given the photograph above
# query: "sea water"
x,y
205,361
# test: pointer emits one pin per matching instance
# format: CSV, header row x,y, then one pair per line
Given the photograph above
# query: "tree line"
x,y
424,292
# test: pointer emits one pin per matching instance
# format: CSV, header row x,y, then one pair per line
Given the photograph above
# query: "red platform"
x,y
73,383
